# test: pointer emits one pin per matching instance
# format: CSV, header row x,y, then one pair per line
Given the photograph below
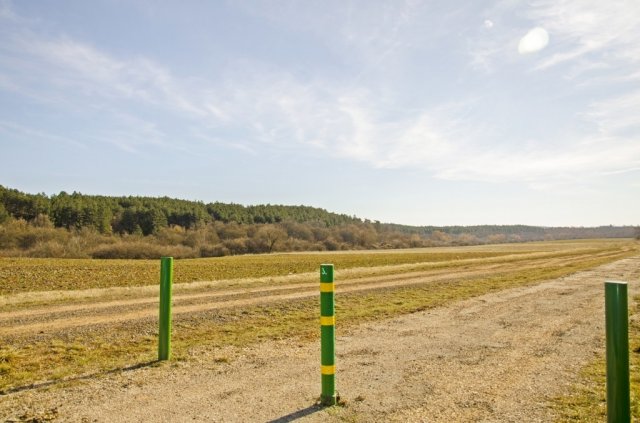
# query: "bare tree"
x,y
269,236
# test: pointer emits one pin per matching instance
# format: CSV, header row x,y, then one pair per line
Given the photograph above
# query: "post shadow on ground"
x,y
298,414
76,378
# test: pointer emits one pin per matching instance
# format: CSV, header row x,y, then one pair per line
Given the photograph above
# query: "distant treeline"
x,y
77,225
148,215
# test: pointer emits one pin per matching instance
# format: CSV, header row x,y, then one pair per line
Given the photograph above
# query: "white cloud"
x,y
417,140
77,76
535,40
568,163
63,67
617,117
567,56
488,24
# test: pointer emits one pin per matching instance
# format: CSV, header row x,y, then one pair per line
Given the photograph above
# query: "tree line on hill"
x,y
78,225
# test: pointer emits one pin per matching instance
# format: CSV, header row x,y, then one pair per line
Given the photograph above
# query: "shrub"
x,y
50,248
217,250
142,250
236,246
170,236
331,244
295,244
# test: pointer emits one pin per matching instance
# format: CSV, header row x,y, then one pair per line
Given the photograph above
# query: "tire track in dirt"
x,y
59,318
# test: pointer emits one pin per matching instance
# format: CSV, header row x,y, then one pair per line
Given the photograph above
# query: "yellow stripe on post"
x,y
328,370
327,287
327,320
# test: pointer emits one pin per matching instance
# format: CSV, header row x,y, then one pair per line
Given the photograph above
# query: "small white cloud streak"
x,y
6,12
617,116
559,58
64,72
218,141
551,165
24,131
83,67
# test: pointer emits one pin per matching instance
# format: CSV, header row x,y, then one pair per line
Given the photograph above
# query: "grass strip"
x,y
587,399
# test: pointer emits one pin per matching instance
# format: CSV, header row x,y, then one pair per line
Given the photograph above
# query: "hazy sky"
x,y
416,112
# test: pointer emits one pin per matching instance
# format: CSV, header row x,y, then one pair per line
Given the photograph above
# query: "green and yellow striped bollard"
x,y
327,336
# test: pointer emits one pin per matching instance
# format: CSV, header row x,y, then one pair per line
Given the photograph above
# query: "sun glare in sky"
x,y
535,40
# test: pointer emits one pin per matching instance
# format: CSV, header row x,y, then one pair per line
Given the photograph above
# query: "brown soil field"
x,y
501,356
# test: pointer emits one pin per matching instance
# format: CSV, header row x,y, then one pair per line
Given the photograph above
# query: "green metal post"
x,y
327,336
166,282
617,333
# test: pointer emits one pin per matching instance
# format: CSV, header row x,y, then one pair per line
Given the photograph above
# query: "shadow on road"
x,y
298,414
76,378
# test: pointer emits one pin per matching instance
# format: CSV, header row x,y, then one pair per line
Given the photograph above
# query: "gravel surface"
x,y
499,357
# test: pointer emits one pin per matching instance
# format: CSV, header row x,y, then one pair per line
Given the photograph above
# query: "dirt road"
x,y
498,357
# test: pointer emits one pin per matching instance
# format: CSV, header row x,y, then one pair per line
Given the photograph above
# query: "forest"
x,y
81,226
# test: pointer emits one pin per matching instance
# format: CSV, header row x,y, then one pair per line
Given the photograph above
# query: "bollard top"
x,y
615,282
326,273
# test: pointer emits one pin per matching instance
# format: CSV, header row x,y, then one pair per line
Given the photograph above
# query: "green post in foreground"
x,y
166,282
327,336
617,332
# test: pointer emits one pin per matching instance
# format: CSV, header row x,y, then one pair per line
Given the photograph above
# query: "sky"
x,y
412,112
